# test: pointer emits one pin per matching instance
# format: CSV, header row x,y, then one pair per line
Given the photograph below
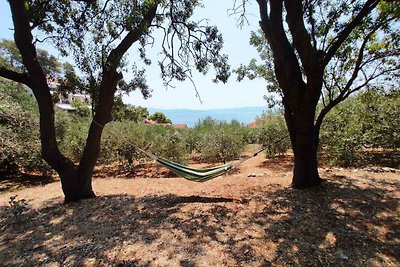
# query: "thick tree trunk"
x,y
305,138
305,173
76,186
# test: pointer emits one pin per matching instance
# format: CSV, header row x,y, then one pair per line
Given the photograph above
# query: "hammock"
x,y
193,174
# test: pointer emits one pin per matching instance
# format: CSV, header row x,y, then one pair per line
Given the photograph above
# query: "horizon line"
x,y
203,109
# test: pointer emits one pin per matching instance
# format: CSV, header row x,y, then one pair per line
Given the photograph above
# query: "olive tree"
x,y
98,35
317,51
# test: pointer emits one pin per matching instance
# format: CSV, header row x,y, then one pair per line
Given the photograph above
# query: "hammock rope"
x,y
196,174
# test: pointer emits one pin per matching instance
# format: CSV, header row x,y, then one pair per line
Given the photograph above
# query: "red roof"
x,y
179,126
252,124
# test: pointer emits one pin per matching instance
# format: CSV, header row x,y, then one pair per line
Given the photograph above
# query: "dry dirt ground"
x,y
151,219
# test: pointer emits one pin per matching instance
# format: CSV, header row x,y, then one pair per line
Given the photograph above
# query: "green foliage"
x,y
9,55
19,135
369,120
160,117
380,119
136,114
17,206
90,31
74,139
10,58
121,140
219,141
81,108
122,111
170,144
341,135
330,49
272,134
369,53
62,122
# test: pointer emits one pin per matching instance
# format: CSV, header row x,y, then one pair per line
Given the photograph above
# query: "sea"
x,y
190,117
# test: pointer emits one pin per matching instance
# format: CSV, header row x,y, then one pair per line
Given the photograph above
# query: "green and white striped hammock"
x,y
192,174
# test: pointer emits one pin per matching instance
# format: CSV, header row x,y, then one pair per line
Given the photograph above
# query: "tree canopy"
x,y
324,51
10,58
367,59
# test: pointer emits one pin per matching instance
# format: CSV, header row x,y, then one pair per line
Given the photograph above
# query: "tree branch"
x,y
310,8
342,36
134,35
301,38
38,83
347,91
14,76
287,68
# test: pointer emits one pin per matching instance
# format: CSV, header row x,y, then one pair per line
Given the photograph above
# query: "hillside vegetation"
x,y
364,130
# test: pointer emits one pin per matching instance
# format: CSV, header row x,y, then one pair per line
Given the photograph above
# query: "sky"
x,y
233,94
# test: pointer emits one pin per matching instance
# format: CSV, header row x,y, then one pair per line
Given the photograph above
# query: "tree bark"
x,y
305,172
304,136
299,69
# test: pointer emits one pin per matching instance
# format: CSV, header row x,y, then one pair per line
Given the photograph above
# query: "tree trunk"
x,y
305,147
76,186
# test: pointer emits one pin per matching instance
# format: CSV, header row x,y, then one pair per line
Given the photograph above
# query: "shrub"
x,y
219,141
19,131
62,121
379,117
81,108
17,206
340,135
160,117
74,139
170,144
120,140
368,120
190,137
271,133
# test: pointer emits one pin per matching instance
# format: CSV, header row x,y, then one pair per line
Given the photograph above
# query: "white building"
x,y
64,102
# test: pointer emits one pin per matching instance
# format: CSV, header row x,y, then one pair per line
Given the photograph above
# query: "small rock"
x,y
343,256
255,175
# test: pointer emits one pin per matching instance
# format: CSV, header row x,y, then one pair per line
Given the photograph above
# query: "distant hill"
x,y
190,117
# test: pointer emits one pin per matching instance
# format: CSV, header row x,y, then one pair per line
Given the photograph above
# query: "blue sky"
x,y
213,95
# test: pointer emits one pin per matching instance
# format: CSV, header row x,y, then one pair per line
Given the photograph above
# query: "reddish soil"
x,y
152,218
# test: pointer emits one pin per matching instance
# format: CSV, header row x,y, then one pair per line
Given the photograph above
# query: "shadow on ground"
x,y
343,223
19,180
280,163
